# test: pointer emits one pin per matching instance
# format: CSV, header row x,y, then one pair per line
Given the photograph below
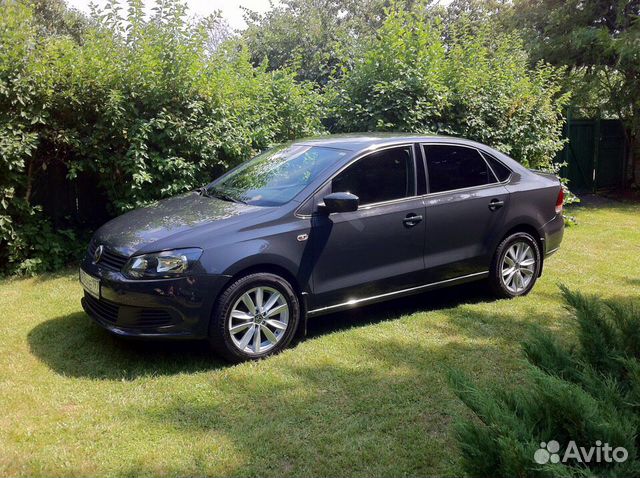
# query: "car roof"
x,y
363,141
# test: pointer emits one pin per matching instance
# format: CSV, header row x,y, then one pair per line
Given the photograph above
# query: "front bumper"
x,y
164,308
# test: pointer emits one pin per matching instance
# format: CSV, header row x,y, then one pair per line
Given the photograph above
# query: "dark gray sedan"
x,y
317,226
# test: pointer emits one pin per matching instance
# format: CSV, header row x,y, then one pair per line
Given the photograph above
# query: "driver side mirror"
x,y
339,202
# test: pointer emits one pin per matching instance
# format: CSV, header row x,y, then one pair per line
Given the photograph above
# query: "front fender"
x,y
290,255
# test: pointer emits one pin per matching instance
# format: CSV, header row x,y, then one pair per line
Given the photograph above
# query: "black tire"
x,y
496,282
219,334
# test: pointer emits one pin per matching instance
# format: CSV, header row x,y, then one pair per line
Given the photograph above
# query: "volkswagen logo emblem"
x,y
97,254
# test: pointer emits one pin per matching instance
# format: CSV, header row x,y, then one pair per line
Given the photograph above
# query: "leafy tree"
x,y
600,41
217,30
145,108
54,17
477,84
25,93
478,12
141,107
311,35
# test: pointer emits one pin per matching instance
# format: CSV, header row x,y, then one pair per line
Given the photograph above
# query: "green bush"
x,y
469,82
108,113
139,105
39,246
588,392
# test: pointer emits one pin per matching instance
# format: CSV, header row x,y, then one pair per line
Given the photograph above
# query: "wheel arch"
x,y
268,268
533,232
279,270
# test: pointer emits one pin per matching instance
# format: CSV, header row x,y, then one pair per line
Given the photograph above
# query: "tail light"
x,y
560,201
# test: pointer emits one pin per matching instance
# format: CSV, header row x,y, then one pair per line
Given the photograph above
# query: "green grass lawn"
x,y
365,394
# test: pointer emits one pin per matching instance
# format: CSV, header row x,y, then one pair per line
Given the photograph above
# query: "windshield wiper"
x,y
216,193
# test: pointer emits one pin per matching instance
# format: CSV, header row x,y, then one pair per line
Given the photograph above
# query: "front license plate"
x,y
90,284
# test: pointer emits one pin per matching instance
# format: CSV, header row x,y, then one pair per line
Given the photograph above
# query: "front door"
x,y
380,247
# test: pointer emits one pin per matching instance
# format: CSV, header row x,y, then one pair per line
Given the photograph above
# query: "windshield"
x,y
275,176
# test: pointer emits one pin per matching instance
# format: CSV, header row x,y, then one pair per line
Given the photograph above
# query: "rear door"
x,y
380,247
465,211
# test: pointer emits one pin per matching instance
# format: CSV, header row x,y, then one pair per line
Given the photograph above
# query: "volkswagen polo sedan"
x,y
316,226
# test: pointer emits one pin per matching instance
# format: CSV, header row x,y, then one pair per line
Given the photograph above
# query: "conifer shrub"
x,y
577,399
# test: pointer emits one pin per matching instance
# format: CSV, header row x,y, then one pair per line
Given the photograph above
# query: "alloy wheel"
x,y
518,267
258,320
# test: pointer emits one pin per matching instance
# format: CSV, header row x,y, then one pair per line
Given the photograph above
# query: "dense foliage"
x,y
312,35
136,107
105,113
473,83
586,392
599,40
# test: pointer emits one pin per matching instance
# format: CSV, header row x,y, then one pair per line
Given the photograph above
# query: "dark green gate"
x,y
594,154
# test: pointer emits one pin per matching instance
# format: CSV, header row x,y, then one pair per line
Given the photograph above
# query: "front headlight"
x,y
161,264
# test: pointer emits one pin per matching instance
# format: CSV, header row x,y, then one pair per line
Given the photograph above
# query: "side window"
x,y
382,176
499,169
455,167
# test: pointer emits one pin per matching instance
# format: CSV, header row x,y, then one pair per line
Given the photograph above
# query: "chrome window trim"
x,y
387,203
470,188
495,176
428,194
356,302
372,205
479,151
358,157
484,154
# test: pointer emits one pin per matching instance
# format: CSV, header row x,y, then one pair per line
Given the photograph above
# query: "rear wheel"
x,y
515,266
255,317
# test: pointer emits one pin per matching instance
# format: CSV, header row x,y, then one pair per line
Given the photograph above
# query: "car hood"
x,y
173,218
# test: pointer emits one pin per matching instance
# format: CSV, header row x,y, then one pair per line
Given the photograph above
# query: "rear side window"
x,y
379,177
455,167
499,169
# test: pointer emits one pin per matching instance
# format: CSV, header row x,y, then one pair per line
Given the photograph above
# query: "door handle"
x,y
411,220
496,204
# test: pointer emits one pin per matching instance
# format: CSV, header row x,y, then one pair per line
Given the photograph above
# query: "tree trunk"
x,y
27,194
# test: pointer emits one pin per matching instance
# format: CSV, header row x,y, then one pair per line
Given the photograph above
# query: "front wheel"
x,y
254,317
515,266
